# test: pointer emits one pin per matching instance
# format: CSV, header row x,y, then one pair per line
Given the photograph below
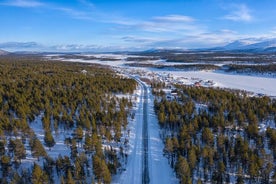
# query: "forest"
x,y
259,69
210,57
185,67
69,97
221,57
216,135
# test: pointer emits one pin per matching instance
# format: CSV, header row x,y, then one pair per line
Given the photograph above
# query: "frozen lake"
x,y
255,84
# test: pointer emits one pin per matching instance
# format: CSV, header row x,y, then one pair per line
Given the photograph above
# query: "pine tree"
x,y
168,150
16,178
2,148
240,176
62,181
79,133
38,176
5,163
79,170
221,171
192,158
49,139
70,179
74,149
183,170
199,181
88,144
19,150
37,148
101,171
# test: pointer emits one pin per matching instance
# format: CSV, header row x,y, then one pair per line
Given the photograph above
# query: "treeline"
x,y
270,68
205,56
214,135
85,57
187,67
219,57
140,58
75,97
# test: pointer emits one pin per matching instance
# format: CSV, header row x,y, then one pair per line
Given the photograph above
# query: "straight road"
x,y
137,169
145,134
146,163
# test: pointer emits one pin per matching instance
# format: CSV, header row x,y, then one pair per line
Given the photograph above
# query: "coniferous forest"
x,y
76,99
210,135
217,135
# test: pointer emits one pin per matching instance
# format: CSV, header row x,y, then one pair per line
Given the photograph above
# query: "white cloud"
x,y
174,18
179,24
19,44
239,13
168,23
273,31
73,13
139,39
23,3
191,40
34,46
152,26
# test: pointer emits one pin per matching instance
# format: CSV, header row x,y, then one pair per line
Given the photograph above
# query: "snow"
x,y
133,171
266,124
59,148
160,171
251,43
256,84
112,56
249,83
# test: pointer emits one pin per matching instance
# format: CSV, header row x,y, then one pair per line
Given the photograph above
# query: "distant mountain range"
x,y
243,45
250,45
2,52
258,45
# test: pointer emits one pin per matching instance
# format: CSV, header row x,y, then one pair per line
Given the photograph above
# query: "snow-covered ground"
x,y
256,84
59,148
159,170
133,171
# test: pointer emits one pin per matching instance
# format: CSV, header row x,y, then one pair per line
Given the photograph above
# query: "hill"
x,y
2,52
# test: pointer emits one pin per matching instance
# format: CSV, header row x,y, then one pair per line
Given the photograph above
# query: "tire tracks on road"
x,y
145,160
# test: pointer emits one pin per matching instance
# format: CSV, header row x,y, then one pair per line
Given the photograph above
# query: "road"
x,y
146,163
137,170
145,134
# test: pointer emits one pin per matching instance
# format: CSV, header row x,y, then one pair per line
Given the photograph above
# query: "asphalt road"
x,y
145,166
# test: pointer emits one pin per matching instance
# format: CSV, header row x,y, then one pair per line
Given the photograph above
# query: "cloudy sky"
x,y
100,25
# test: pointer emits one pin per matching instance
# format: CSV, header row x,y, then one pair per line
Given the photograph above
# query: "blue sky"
x,y
105,25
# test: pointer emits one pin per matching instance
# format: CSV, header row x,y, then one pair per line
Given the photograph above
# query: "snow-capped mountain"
x,y
2,52
252,45
241,43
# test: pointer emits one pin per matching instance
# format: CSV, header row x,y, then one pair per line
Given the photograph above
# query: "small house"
x,y
84,72
197,84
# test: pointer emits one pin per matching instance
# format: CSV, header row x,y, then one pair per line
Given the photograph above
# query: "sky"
x,y
116,25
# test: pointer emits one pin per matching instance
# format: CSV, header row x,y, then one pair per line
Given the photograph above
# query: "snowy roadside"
x,y
132,172
159,168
